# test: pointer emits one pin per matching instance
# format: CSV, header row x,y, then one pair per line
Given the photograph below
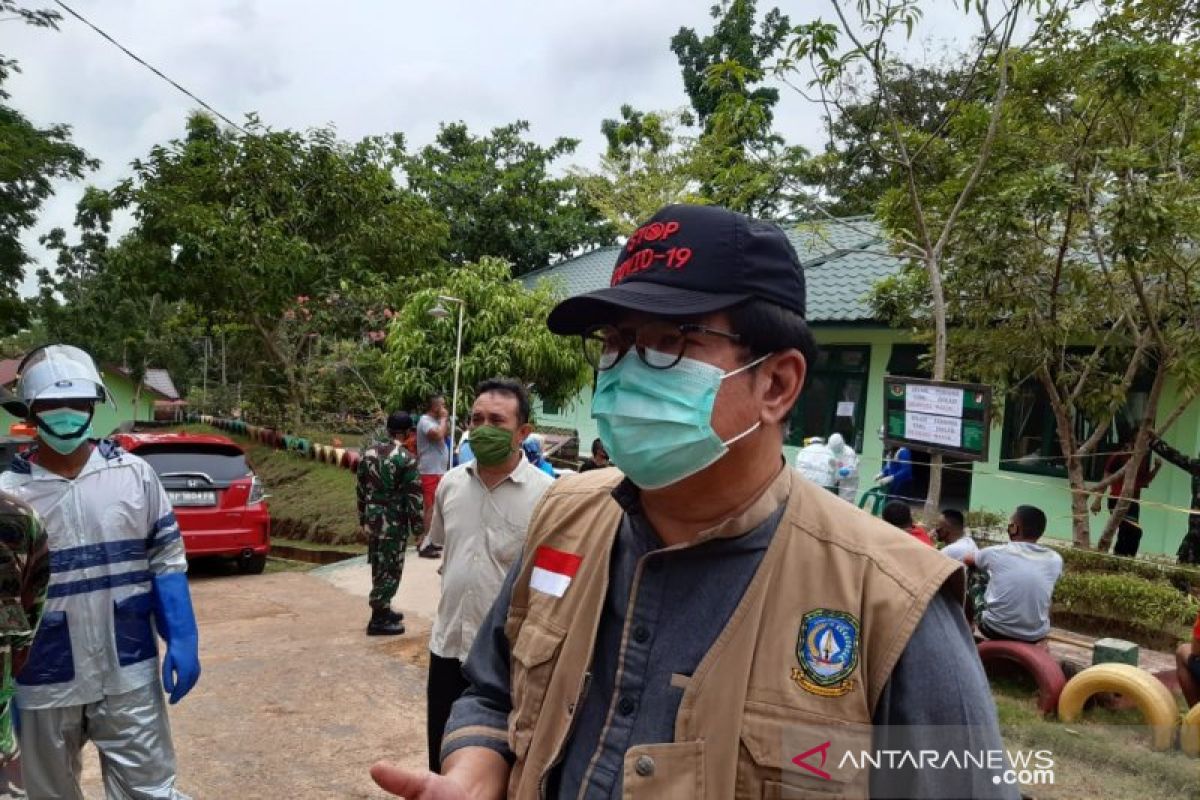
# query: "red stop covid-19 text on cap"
x,y
643,259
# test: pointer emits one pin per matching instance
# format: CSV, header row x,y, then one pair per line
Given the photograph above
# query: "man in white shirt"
x,y
816,462
951,533
1021,579
480,515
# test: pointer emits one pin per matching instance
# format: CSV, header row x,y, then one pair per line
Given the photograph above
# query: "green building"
x,y
844,393
131,403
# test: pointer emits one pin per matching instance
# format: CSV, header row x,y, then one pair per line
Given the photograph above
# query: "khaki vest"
x,y
829,569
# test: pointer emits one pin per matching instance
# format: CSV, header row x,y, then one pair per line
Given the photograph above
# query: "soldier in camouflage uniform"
x,y
389,511
24,573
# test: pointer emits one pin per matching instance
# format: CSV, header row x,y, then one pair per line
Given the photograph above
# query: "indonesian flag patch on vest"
x,y
553,570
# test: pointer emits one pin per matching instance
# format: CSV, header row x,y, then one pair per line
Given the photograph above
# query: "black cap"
x,y
689,260
400,421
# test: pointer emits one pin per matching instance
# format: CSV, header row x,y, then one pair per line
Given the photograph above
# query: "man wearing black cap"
x,y
389,510
701,622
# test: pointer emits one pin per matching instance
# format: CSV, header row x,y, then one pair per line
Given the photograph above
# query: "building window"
x,y
909,361
1030,441
551,407
834,397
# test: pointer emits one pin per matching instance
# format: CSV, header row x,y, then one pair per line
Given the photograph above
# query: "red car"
x,y
218,500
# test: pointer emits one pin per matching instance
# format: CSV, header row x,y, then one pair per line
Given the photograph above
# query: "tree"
x,y
502,199
89,301
646,166
1075,264
241,224
504,333
32,159
739,161
920,233
852,171
733,40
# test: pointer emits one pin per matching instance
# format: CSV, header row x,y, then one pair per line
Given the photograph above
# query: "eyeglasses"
x,y
659,344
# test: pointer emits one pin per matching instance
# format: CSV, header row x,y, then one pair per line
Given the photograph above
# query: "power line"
x,y
150,67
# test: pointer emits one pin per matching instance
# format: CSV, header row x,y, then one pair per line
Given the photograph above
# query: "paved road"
x,y
295,700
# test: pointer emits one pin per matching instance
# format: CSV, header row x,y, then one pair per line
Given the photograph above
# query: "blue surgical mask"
x,y
65,430
656,424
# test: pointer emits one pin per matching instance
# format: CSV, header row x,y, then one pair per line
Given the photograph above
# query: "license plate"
x,y
193,498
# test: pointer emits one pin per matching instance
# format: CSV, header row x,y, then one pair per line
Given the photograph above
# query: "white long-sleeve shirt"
x,y
483,531
111,530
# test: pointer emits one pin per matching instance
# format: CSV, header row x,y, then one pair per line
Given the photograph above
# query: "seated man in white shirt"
x,y
950,532
1021,579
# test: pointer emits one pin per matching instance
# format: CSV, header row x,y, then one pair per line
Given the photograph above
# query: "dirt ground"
x,y
295,701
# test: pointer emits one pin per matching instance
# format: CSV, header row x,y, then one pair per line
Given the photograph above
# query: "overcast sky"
x,y
366,66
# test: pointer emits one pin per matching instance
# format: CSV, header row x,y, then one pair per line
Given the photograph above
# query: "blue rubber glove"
x,y
176,624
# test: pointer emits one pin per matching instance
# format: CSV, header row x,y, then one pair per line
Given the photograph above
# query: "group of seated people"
x,y
1009,585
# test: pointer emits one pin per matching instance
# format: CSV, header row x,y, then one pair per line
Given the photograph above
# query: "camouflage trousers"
x,y
977,582
385,552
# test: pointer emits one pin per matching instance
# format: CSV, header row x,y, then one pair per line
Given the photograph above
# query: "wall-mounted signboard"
x,y
938,416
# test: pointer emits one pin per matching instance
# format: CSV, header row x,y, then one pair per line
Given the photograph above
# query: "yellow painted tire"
x,y
1189,737
1153,699
339,455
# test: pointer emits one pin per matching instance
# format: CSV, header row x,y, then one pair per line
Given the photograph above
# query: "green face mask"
x,y
491,445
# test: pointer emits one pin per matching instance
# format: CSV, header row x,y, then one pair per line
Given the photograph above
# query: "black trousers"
x,y
446,684
1129,532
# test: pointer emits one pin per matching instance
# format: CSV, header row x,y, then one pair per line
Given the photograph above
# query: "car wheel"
x,y
254,565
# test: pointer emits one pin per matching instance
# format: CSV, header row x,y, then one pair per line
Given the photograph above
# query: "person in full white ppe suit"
x,y
846,466
816,462
117,568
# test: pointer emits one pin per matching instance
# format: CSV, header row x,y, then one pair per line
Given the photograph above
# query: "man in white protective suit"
x,y
117,568
846,464
816,462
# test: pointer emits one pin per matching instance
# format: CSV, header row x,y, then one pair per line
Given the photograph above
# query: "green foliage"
x,y
37,17
504,334
501,197
31,158
734,40
1153,606
858,165
647,165
739,162
310,501
246,226
89,300
983,518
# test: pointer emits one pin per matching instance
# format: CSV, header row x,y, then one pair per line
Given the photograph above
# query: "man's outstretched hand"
x,y
416,784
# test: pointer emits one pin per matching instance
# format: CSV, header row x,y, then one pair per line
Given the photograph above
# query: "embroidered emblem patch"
x,y
827,649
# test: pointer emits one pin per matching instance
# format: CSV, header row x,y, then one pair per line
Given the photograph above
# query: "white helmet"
x,y
837,443
59,372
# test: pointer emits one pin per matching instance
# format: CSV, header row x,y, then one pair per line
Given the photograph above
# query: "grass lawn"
x,y
1104,755
287,565
301,544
